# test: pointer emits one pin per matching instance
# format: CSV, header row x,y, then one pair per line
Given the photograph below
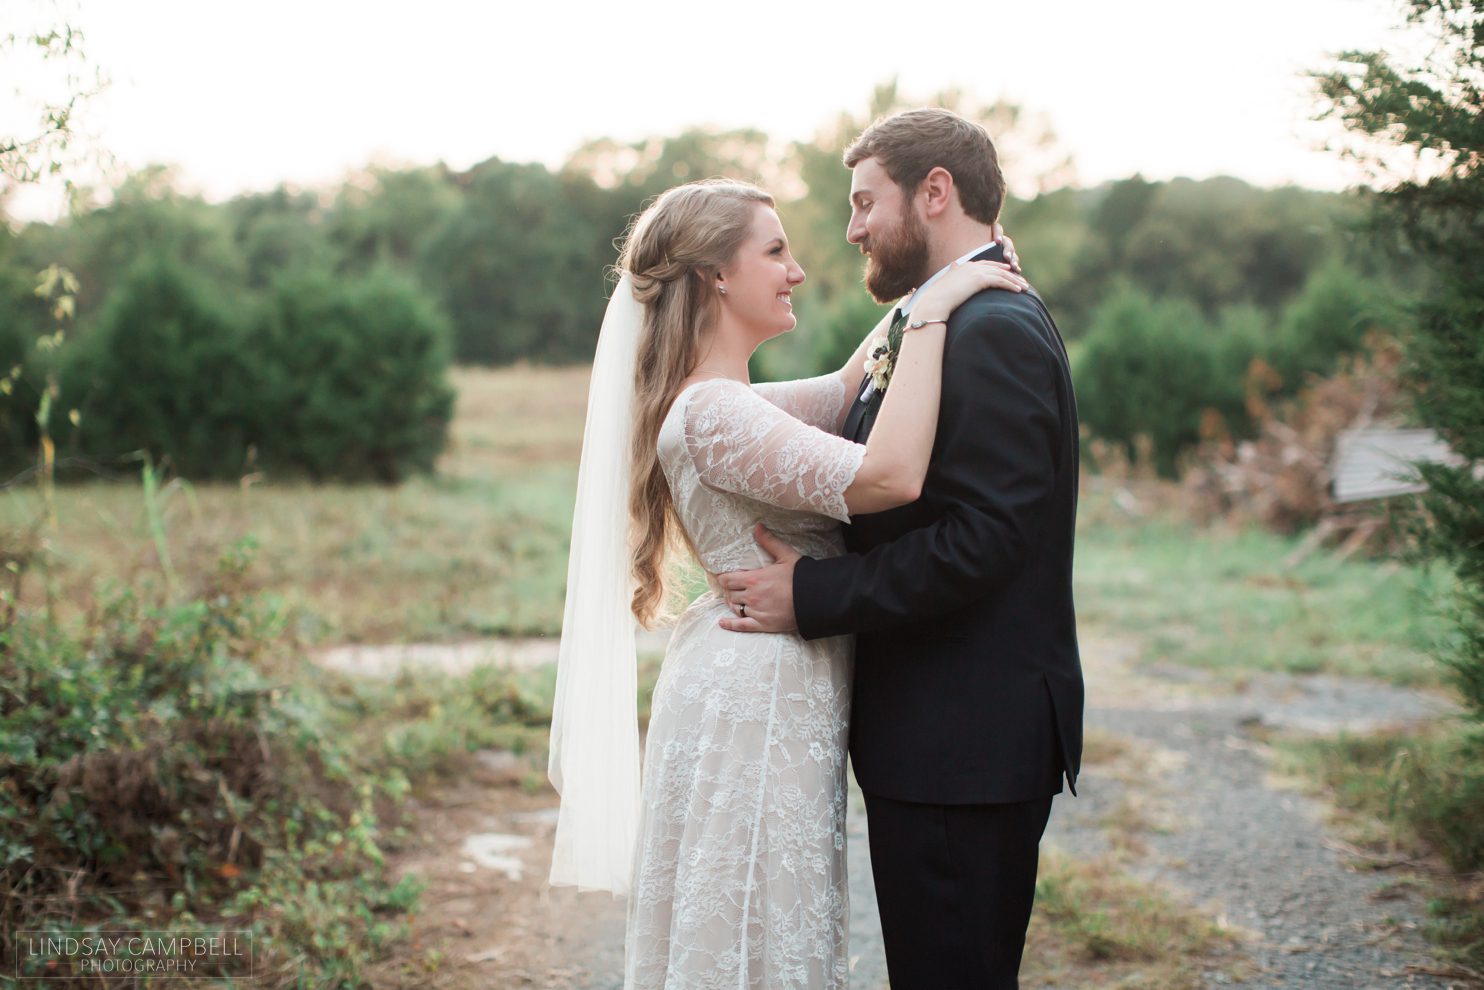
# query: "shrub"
x,y
1328,319
23,319
1424,789
31,415
166,370
356,378
156,774
1239,343
334,378
1152,367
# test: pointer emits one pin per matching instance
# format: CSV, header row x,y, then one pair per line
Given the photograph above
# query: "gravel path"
x,y
1239,846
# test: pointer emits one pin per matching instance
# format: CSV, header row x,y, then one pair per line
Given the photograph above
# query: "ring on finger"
x,y
742,609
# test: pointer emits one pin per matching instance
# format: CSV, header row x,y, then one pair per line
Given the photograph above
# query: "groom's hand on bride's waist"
x,y
762,600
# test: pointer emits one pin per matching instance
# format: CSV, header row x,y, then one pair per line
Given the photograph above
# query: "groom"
x,y
967,707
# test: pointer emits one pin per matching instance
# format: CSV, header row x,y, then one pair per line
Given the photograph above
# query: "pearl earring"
x,y
722,289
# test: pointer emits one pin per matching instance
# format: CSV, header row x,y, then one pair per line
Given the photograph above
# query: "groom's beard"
x,y
897,260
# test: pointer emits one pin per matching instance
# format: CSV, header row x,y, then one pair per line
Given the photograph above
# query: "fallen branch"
x,y
1378,862
1454,972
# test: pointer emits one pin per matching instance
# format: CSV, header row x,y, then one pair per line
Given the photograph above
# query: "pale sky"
x,y
246,96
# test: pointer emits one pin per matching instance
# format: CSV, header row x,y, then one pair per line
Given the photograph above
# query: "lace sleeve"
x,y
820,402
742,443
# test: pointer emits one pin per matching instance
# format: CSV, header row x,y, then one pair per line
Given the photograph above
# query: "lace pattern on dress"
x,y
821,402
743,444
739,881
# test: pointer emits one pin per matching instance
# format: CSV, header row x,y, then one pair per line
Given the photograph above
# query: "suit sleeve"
x,y
994,473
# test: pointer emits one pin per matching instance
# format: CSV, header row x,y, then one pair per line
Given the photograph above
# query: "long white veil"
x,y
594,762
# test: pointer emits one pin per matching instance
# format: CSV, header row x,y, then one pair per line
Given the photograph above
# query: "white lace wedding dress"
x,y
739,881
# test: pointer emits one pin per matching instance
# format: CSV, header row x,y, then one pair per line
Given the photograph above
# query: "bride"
x,y
733,853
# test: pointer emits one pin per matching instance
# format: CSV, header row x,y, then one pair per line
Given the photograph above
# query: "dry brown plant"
x,y
1281,477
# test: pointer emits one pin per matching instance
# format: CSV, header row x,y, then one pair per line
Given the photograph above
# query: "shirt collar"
x,y
906,307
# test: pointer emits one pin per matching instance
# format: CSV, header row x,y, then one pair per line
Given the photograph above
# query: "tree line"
x,y
1156,283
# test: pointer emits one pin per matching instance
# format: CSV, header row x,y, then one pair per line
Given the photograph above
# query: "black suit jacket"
x,y
968,685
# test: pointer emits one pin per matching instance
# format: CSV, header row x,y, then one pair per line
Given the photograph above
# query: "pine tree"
x,y
1433,109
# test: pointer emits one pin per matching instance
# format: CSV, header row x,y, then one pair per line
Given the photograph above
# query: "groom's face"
x,y
889,232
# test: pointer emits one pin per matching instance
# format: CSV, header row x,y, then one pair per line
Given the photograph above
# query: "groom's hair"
x,y
912,143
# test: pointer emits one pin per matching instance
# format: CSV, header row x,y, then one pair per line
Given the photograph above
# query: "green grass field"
x,y
480,550
1223,599
477,550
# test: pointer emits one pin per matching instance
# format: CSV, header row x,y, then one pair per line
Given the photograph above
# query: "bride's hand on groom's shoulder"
x,y
961,283
762,600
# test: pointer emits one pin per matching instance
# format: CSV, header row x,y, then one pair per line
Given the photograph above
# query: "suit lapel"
x,y
862,413
857,412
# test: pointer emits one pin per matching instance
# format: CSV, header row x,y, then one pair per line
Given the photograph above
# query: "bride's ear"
x,y
713,279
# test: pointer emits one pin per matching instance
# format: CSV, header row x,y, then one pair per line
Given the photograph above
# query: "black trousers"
x,y
954,885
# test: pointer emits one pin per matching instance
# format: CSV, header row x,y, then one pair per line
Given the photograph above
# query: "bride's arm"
x,y
901,442
821,401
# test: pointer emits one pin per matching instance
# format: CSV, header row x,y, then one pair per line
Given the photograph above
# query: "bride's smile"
x,y
759,282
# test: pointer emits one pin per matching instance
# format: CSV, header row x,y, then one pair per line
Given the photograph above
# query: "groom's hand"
x,y
762,600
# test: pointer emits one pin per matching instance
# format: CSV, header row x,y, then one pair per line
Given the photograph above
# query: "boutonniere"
x,y
881,359
879,362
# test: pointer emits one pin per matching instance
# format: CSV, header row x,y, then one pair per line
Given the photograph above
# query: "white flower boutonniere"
x,y
879,362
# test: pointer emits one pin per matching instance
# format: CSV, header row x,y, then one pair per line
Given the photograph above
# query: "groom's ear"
x,y
937,192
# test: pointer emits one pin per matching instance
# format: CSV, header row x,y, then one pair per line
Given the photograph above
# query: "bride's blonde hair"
x,y
672,253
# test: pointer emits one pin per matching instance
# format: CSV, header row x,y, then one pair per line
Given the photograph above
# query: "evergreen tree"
x,y
1431,109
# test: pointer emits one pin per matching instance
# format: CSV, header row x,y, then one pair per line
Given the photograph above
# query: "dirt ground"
x,y
504,926
1221,833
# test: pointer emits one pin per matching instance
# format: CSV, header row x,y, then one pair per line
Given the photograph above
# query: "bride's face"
x,y
760,279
